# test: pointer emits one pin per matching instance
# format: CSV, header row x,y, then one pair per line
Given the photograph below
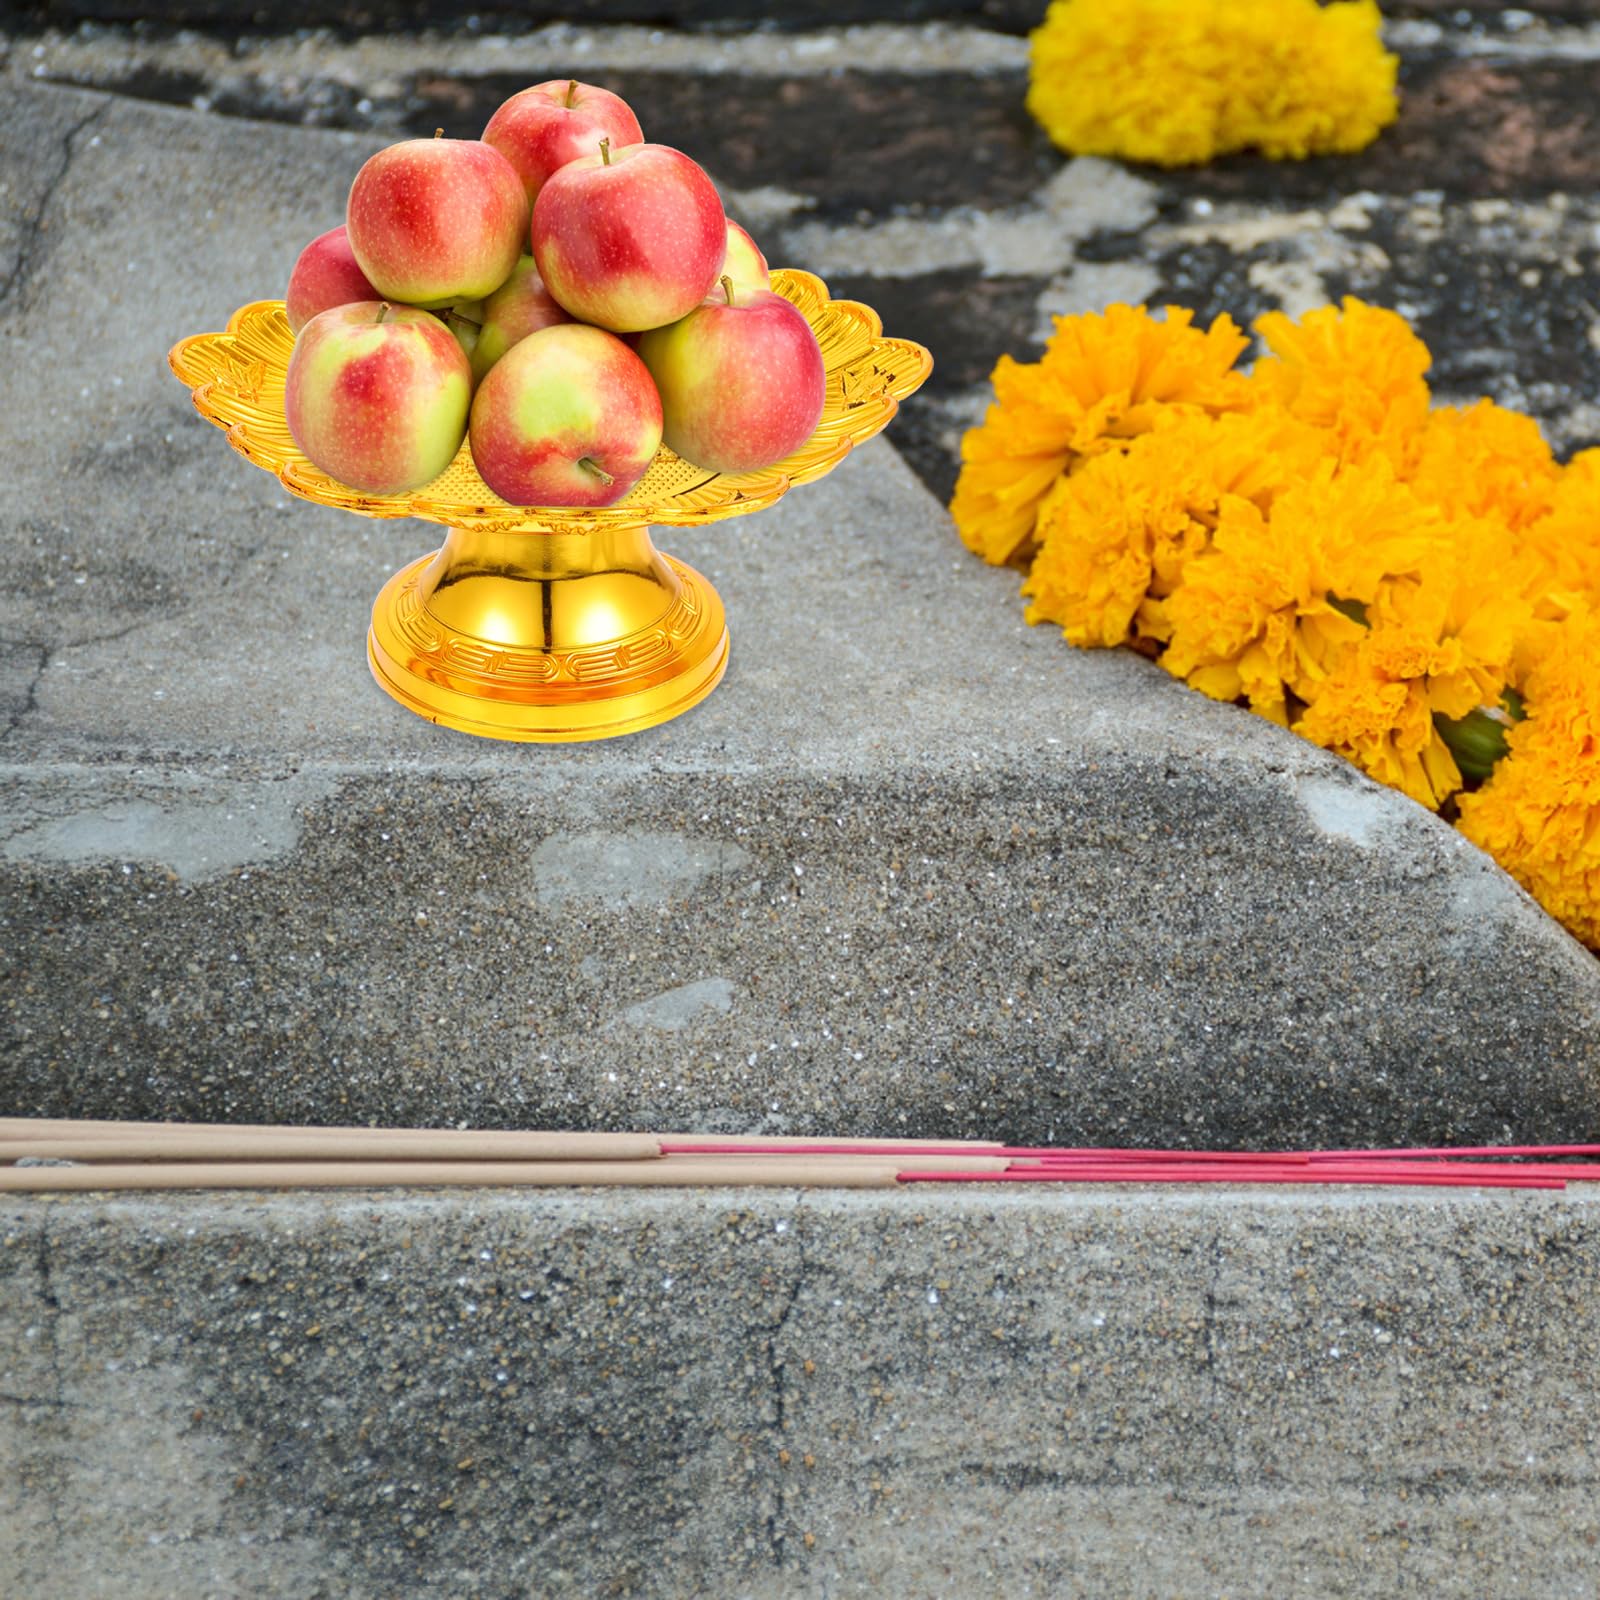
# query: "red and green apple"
x,y
436,221
325,275
744,263
377,395
541,129
567,417
520,306
741,380
630,238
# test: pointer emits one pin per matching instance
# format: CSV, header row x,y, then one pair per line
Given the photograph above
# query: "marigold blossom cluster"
x,y
1414,587
1179,81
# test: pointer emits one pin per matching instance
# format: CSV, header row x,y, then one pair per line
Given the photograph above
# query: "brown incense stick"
x,y
14,1128
453,1174
122,1153
292,1144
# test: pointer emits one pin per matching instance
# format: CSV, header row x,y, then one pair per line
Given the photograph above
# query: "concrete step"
x,y
762,1395
914,868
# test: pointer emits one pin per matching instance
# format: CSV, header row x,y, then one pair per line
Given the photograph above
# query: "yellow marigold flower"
x,y
1180,81
1116,535
1269,608
1356,372
1562,548
1103,379
1484,461
1439,645
1539,813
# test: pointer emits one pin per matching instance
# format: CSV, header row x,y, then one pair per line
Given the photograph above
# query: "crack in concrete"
x,y
50,1402
1217,1266
33,227
113,636
57,1401
775,1370
47,654
30,696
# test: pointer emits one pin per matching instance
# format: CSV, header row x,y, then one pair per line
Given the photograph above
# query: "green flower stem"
x,y
1478,740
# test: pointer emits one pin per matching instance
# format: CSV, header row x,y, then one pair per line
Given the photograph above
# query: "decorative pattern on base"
x,y
474,685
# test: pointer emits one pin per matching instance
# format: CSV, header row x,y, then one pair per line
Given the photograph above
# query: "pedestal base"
x,y
548,637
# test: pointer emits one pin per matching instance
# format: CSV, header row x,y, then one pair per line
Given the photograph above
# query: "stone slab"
x,y
359,16
753,1396
913,868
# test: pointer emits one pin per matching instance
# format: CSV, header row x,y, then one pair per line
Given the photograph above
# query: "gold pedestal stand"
x,y
550,623
556,637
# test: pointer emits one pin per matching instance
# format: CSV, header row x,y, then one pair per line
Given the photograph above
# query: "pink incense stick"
x,y
1329,1172
1340,1172
910,1148
1244,1157
1568,1172
1445,1151
801,1147
1242,1175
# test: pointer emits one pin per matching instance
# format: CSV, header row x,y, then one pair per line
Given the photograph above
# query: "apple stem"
x,y
438,133
727,287
589,464
572,89
383,311
605,151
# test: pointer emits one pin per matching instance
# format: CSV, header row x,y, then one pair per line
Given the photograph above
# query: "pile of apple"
x,y
559,291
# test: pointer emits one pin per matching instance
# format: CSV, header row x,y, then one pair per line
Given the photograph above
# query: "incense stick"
x,y
108,1155
452,1175
1239,1175
686,1143
1484,1150
675,1145
292,1144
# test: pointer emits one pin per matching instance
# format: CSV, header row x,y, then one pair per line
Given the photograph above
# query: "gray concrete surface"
x,y
913,868
756,1397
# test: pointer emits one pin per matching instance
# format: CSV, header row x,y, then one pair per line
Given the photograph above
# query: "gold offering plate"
x,y
552,622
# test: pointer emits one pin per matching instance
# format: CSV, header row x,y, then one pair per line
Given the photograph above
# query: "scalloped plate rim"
x,y
766,487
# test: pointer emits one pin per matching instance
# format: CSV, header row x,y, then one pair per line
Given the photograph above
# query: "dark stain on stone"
x,y
483,1377
849,141
521,16
965,319
1506,309
1505,313
168,86
321,103
1472,127
1211,280
1492,15
923,435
